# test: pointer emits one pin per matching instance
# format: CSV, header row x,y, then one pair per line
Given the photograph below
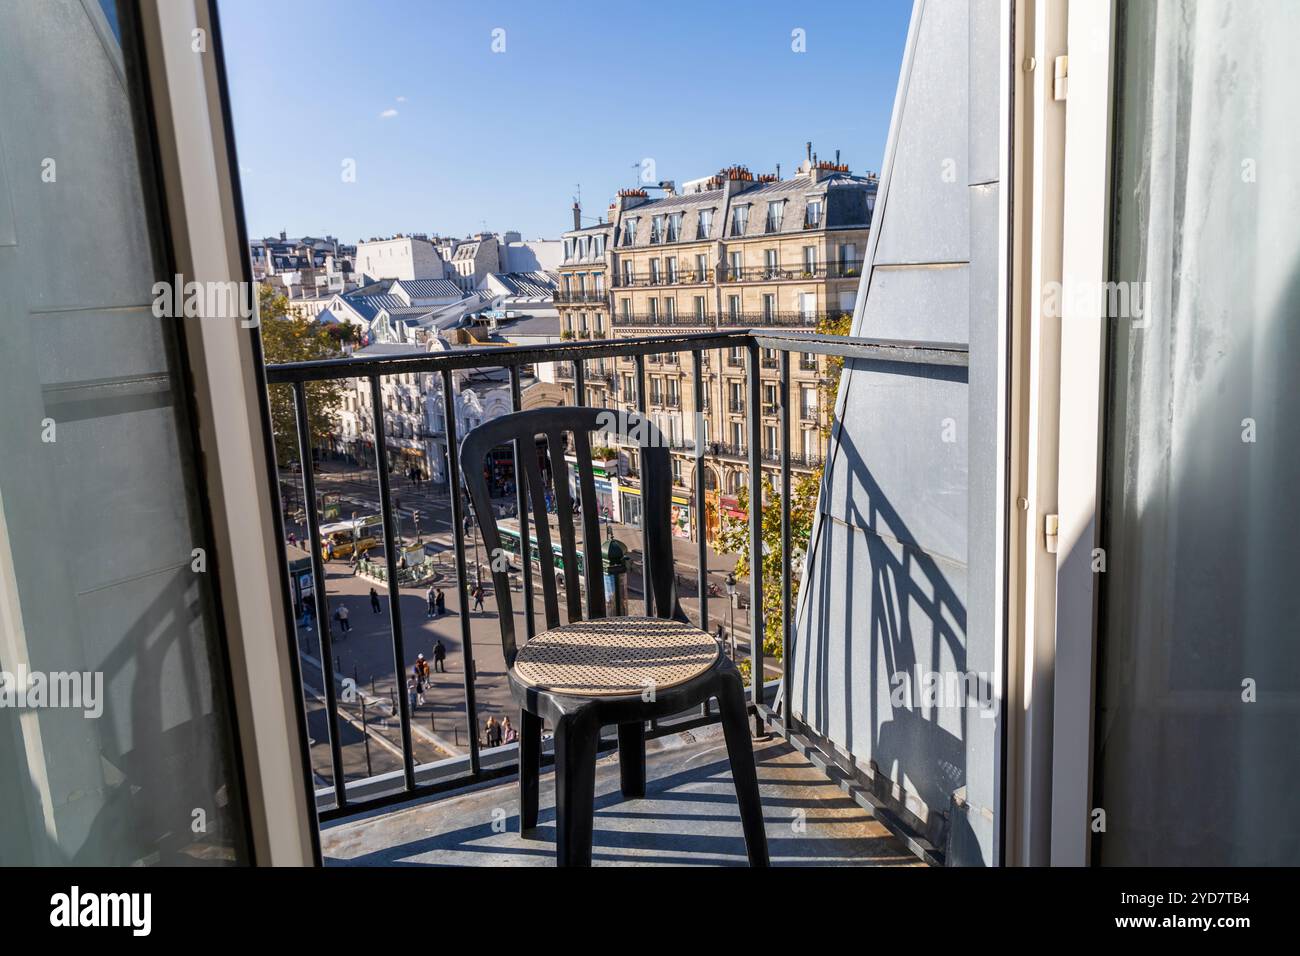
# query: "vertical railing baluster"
x,y
579,382
702,554
392,524
755,533
521,506
318,592
701,530
645,538
787,599
462,576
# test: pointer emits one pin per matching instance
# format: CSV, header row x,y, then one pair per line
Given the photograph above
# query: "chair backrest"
x,y
540,434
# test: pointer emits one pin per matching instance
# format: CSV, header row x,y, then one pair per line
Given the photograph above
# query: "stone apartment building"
x,y
731,250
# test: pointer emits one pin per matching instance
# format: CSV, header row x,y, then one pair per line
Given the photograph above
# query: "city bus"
x,y
508,529
342,538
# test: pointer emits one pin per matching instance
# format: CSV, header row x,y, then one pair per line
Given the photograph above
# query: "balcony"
x,y
776,319
659,320
641,280
580,297
381,751
688,782
799,272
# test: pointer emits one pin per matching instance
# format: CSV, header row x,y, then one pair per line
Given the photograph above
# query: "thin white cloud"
x,y
388,113
401,99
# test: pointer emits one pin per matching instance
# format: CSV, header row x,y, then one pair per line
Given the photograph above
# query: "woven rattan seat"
x,y
615,656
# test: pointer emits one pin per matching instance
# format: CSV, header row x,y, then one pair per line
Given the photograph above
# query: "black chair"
x,y
587,674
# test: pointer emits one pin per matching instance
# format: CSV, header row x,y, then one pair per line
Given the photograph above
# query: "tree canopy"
x,y
288,339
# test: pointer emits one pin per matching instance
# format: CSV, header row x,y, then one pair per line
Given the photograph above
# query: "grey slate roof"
x,y
431,288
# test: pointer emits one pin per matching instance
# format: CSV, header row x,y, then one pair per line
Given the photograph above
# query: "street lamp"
x,y
731,600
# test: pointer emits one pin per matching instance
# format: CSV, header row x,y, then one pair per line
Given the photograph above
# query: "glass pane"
x,y
129,757
1199,679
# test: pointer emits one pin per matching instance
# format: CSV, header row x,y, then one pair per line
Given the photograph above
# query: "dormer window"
x,y
674,227
657,230
813,214
775,214
739,220
705,226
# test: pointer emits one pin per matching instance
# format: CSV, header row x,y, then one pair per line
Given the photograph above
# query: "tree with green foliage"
x,y
288,339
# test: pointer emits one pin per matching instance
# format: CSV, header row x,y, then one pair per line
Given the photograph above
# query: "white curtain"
x,y
1203,459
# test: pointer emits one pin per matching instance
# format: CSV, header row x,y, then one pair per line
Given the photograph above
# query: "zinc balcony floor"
x,y
687,818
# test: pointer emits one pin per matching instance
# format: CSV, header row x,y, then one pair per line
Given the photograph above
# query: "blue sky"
x,y
582,94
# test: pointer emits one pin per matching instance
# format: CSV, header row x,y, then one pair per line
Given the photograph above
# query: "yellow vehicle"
x,y
342,538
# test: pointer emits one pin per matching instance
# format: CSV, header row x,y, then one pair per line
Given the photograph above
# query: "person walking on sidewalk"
x,y
478,597
432,598
442,603
374,602
342,614
439,656
493,732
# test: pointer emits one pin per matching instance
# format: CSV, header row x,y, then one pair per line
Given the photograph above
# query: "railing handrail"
x,y
511,356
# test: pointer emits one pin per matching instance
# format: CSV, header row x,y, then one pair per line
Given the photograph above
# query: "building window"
x,y
809,261
654,308
627,272
813,214
625,306
629,232
656,230
701,268
771,263
739,220
769,306
733,306
705,226
654,271
849,259
699,307
677,472
670,309
735,271
775,215
671,263
674,227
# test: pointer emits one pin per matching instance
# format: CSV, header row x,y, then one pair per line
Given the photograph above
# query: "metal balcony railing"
x,y
797,271
681,276
580,297
349,791
659,320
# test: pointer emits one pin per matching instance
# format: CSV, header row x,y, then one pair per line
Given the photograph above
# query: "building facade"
x,y
731,250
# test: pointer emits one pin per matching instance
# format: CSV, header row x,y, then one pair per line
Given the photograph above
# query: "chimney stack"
x,y
808,150
577,214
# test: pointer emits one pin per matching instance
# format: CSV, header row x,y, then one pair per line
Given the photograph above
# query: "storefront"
x,y
604,485
682,511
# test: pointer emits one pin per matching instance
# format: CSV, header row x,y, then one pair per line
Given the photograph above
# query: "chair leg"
x,y
740,751
530,765
575,786
631,758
